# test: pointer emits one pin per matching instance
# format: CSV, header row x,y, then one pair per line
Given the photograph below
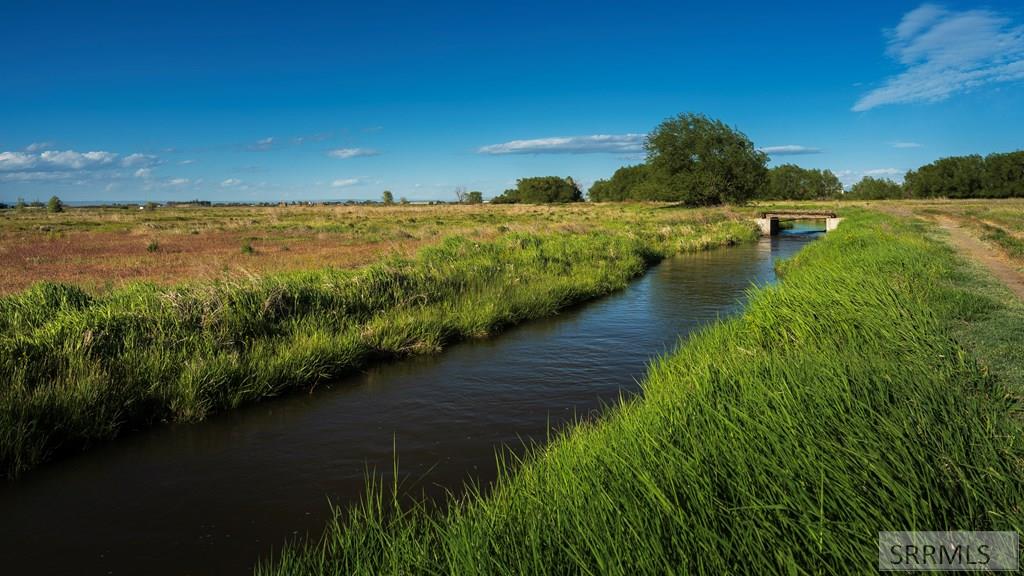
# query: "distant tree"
x,y
55,205
403,200
1004,175
542,190
700,161
388,198
791,182
621,186
510,196
474,197
953,177
150,206
20,204
875,189
460,194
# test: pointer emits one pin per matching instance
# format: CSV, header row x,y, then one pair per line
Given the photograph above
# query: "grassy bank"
x,y
857,395
78,367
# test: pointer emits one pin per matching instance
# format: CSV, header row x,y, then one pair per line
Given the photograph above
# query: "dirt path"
x,y
971,247
984,254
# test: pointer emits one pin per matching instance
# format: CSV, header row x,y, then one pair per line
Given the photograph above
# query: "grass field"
x,y
998,222
101,248
81,365
877,387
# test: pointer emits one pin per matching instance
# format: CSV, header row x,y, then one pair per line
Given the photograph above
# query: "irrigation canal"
x,y
210,498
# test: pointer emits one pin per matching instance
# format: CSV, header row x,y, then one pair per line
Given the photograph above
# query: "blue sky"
x,y
245,101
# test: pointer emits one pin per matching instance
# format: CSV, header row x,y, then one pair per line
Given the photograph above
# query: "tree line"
x,y
699,161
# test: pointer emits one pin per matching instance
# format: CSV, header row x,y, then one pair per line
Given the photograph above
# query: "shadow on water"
x,y
213,497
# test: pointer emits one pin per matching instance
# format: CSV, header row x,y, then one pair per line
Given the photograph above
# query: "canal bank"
x,y
214,496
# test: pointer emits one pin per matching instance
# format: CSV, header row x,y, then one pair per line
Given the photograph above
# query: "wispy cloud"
x,y
945,52
594,144
37,146
143,173
906,145
139,160
311,138
883,172
229,182
344,182
345,153
262,145
789,150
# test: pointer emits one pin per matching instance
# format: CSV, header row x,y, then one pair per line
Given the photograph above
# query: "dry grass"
x,y
101,248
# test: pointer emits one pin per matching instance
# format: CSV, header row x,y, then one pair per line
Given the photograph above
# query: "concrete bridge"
x,y
769,221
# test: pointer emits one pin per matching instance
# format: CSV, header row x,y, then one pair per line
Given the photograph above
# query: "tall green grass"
x,y
76,368
840,404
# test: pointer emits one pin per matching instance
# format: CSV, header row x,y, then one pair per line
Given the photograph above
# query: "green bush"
x,y
55,205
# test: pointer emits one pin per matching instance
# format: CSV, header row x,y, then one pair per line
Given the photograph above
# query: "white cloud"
x,y
945,52
178,181
16,161
345,153
143,173
789,150
344,182
71,160
597,143
906,145
230,182
186,162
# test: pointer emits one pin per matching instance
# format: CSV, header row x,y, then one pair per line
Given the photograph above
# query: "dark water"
x,y
212,497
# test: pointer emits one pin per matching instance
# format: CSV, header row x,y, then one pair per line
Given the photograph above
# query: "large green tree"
x,y
699,161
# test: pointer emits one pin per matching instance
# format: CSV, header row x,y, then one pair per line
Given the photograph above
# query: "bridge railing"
x,y
798,215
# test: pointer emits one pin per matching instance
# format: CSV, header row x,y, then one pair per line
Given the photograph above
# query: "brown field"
x,y
100,248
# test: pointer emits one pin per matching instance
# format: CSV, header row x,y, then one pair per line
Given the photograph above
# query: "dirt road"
x,y
985,255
